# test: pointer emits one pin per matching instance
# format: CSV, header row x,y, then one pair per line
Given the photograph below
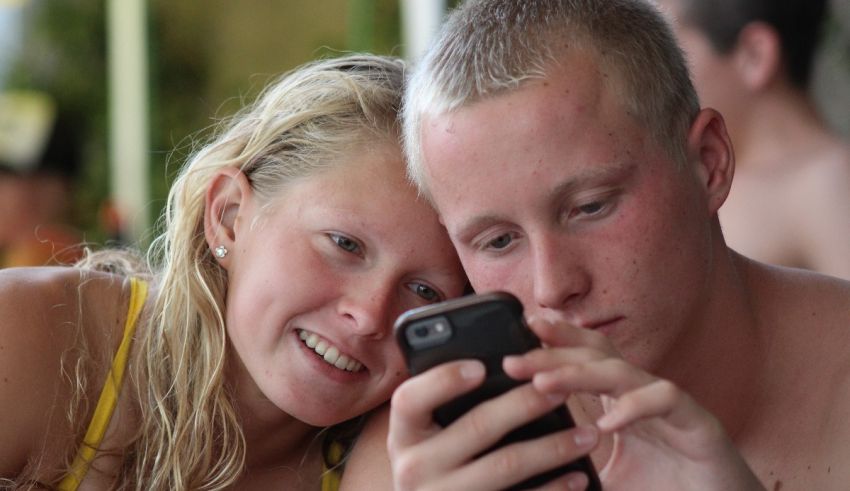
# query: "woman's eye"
x,y
345,243
424,291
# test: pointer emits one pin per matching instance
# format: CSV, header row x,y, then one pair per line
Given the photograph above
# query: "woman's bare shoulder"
x,y
41,325
50,296
368,465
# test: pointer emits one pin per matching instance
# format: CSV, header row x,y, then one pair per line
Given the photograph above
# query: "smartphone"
x,y
486,327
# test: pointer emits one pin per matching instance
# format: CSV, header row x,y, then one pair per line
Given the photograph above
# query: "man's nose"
x,y
560,277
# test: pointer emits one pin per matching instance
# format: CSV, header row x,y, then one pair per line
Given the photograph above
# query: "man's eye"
x,y
345,243
424,291
591,208
500,242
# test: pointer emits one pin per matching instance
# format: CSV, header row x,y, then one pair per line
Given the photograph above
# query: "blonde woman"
x,y
258,321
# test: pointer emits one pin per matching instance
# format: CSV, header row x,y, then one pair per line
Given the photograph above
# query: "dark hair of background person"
x,y
798,23
60,154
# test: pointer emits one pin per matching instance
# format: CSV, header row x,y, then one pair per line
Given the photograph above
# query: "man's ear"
x,y
226,204
758,55
710,149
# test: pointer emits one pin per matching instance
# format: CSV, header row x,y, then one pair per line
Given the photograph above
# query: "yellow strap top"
x,y
109,395
331,477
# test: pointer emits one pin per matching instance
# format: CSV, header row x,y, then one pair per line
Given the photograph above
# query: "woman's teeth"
x,y
328,352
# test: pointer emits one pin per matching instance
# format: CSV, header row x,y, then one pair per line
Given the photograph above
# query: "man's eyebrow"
x,y
615,171
473,225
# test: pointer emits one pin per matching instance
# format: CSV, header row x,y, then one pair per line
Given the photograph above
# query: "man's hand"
x,y
425,456
662,438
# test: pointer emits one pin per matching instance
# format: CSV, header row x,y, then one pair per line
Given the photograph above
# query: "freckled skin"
x,y
688,309
640,256
553,191
349,299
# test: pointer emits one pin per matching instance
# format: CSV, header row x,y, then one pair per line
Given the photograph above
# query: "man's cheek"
x,y
489,276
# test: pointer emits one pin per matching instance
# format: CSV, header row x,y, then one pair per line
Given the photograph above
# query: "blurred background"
x,y
118,91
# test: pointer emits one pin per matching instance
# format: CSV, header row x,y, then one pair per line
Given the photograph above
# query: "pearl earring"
x,y
220,251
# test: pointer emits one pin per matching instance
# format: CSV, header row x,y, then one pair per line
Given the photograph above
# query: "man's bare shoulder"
x,y
805,315
804,322
801,297
823,336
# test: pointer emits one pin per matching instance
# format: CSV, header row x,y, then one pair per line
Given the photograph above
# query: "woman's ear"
x,y
710,147
226,205
758,55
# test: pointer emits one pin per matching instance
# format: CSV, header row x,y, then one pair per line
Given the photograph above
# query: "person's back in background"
x,y
752,60
39,159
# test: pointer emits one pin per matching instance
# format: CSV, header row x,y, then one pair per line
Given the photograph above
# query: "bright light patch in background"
x,y
11,14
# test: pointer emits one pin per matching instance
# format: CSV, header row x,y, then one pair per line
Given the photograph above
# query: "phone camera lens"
x,y
425,333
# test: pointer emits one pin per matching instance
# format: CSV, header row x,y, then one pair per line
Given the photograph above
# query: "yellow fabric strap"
x,y
109,395
331,477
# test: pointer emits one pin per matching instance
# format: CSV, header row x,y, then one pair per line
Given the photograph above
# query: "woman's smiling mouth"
x,y
328,352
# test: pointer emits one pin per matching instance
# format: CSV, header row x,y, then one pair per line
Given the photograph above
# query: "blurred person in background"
x,y
752,61
39,160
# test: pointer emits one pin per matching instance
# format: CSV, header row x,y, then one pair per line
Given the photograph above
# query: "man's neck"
x,y
719,360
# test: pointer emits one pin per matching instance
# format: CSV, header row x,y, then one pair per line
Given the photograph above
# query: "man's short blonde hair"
x,y
487,47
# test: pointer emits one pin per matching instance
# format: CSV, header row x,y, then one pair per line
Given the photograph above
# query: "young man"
x,y
564,148
752,61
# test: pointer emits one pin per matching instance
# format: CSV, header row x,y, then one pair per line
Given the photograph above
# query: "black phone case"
x,y
486,327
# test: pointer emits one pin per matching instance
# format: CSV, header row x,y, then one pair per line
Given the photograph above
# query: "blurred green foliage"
x,y
62,52
207,59
210,58
374,26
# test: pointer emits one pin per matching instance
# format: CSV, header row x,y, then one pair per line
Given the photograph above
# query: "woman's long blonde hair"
x,y
189,435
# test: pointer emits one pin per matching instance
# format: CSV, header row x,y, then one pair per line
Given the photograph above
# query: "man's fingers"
x,y
487,423
611,376
562,334
414,401
523,367
574,481
663,399
517,462
423,453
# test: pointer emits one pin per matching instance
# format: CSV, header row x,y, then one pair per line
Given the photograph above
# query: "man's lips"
x,y
575,320
600,324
